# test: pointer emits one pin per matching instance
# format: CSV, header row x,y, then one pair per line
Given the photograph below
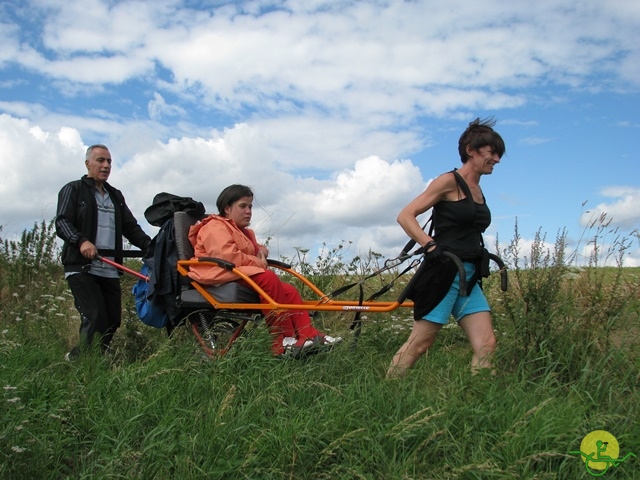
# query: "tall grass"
x,y
154,408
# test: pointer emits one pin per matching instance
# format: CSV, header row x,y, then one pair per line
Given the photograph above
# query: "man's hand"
x,y
88,249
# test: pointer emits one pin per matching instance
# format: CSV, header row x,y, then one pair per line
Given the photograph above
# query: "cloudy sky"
x,y
337,113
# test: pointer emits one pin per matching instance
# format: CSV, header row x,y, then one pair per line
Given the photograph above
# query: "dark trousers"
x,y
99,301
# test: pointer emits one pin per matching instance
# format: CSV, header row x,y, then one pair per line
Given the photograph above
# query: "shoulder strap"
x,y
463,185
411,243
482,263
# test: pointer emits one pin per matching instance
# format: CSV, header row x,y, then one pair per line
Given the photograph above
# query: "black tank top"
x,y
458,225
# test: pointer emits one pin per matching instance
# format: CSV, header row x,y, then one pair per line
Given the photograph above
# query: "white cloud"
x,y
319,99
623,211
533,141
158,108
361,196
405,58
34,163
293,211
126,29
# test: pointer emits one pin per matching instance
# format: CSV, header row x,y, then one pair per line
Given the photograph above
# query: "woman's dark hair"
x,y
480,134
230,195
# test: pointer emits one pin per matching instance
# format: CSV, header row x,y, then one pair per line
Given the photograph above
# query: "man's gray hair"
x,y
90,149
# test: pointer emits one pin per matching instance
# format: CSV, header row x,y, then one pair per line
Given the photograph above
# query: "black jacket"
x,y
77,221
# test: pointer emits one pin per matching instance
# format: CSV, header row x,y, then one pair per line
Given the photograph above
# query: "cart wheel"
x,y
213,333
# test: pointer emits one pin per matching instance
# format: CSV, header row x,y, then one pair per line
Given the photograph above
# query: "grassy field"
x,y
568,364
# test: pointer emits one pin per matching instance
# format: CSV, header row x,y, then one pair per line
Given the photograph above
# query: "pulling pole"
x,y
123,268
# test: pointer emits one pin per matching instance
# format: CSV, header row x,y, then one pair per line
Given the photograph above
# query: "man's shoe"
x,y
72,355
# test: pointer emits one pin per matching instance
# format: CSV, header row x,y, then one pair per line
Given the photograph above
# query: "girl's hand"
x,y
262,258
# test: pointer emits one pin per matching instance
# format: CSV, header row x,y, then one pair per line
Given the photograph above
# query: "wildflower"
x,y
17,449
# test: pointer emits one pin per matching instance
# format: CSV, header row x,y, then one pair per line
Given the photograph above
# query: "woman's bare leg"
x,y
479,331
420,340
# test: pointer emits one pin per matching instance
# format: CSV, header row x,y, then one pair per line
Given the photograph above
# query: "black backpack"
x,y
166,204
156,300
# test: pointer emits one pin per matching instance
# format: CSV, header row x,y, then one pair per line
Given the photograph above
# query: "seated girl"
x,y
227,236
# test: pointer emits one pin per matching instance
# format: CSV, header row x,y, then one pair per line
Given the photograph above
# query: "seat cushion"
x,y
228,293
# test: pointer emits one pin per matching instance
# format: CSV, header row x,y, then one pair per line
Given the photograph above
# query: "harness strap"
x,y
356,324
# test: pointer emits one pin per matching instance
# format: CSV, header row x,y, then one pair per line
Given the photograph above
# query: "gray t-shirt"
x,y
106,235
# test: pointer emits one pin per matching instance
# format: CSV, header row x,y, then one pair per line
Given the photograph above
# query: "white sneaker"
x,y
329,340
288,342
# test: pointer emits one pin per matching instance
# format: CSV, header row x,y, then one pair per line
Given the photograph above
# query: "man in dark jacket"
x,y
92,217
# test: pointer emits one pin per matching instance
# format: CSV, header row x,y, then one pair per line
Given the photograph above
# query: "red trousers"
x,y
290,323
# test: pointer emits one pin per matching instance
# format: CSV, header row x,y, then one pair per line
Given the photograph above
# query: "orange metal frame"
x,y
323,303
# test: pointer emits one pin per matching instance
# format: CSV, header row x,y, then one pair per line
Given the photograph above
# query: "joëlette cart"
x,y
217,315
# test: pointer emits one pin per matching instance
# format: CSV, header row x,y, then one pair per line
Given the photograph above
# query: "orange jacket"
x,y
219,237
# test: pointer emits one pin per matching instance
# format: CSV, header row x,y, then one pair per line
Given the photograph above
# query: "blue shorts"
x,y
457,305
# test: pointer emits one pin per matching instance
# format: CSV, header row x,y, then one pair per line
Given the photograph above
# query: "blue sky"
x,y
336,113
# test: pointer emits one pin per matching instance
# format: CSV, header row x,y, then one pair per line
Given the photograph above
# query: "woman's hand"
x,y
432,250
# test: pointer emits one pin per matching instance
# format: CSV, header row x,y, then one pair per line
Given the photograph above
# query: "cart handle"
x,y
123,268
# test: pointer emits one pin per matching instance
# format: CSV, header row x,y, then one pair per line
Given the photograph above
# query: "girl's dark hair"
x,y
480,134
230,195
